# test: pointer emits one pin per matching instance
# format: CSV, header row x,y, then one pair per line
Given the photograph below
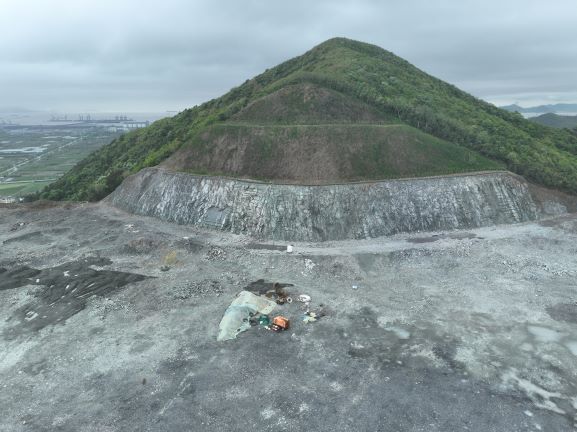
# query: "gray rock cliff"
x,y
329,212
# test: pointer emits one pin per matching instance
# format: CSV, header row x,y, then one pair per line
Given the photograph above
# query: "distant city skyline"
x,y
130,56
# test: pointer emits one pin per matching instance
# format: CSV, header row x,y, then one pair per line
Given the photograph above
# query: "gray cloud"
x,y
154,56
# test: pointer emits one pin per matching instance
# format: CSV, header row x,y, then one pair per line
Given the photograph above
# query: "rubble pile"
x,y
254,307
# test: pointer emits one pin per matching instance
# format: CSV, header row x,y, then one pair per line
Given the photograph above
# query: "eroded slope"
x,y
329,153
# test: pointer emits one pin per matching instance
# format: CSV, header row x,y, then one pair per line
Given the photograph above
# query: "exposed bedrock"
x,y
335,212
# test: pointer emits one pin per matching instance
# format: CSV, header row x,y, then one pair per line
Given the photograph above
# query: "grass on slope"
x,y
306,103
329,153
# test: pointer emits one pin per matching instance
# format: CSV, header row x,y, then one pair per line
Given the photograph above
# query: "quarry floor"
x,y
460,331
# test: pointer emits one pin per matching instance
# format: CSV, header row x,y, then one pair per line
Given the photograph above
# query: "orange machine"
x,y
281,322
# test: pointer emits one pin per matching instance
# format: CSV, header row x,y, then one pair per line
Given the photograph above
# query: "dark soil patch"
x,y
563,312
262,246
424,239
35,236
141,246
261,286
66,288
436,237
190,245
558,221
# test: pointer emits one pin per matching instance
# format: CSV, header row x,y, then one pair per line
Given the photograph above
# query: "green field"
x,y
55,151
11,189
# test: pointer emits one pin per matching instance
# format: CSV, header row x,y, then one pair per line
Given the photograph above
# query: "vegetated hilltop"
x,y
556,120
351,108
306,133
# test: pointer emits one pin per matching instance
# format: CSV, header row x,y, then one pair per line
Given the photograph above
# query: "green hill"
x,y
556,120
333,86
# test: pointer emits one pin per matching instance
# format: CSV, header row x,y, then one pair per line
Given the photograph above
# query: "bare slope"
x,y
329,153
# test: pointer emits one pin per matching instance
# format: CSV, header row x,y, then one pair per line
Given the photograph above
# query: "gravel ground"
x,y
109,323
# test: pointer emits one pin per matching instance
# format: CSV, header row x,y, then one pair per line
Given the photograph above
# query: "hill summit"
x,y
344,111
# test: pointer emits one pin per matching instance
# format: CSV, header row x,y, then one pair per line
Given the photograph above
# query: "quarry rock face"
x,y
330,212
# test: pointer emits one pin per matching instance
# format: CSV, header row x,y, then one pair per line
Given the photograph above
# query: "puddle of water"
x,y
401,333
544,334
540,397
572,346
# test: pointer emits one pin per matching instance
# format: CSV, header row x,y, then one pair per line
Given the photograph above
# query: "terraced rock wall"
x,y
329,212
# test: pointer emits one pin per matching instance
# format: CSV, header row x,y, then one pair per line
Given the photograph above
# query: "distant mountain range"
x,y
556,120
555,108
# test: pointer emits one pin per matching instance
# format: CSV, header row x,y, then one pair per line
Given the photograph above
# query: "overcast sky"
x,y
144,55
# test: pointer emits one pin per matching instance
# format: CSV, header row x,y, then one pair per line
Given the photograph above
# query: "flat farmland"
x,y
32,157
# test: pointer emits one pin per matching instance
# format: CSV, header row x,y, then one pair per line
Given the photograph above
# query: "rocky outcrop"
x,y
330,212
